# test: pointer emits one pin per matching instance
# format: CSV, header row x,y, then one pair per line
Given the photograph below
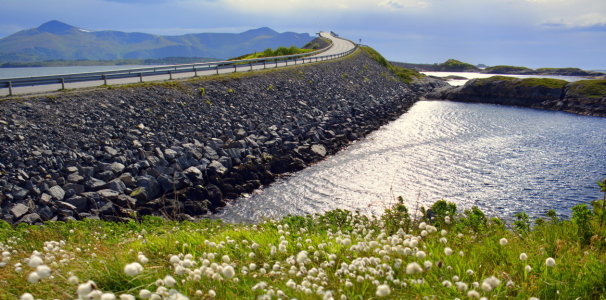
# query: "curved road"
x,y
339,46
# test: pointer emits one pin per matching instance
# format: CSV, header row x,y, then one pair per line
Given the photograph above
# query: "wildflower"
x,y
420,254
143,259
523,256
444,232
225,258
212,294
473,294
447,219
528,268
550,262
492,281
503,241
413,268
533,298
461,286
302,257
35,261
85,288
228,272
169,281
144,294
127,297
486,286
448,251
174,259
133,269
43,271
422,225
470,272
447,283
26,296
509,284
109,296
383,290
33,278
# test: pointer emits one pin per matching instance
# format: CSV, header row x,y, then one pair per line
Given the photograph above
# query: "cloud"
x,y
394,4
592,22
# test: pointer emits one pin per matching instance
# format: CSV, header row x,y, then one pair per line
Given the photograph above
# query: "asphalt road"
x,y
339,46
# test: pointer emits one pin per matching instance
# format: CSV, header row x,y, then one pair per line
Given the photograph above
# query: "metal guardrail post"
x,y
264,64
104,79
250,64
10,88
195,72
217,68
62,83
170,75
235,68
141,77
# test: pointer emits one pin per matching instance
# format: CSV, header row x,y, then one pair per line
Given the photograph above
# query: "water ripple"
x,y
502,159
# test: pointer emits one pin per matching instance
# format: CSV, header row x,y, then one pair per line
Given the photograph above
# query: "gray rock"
x,y
66,205
19,210
117,167
57,192
151,185
79,203
77,188
108,194
19,193
29,219
106,175
170,154
75,178
318,149
116,185
95,184
45,213
217,167
111,151
128,180
193,173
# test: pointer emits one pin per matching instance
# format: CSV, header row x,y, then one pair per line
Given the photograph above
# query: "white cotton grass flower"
x,y
73,280
142,259
461,286
533,298
528,268
473,294
228,272
174,259
447,284
169,281
523,256
470,272
108,296
33,278
503,241
35,261
85,288
145,294
383,290
413,268
492,281
226,258
447,251
133,269
550,262
212,294
26,296
127,297
420,254
43,271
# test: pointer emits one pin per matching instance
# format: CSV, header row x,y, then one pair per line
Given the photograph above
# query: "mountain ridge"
x,y
57,40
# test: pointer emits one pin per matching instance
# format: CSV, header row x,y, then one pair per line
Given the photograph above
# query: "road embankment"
x,y
186,148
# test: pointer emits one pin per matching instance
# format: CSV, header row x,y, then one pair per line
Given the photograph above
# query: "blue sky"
x,y
531,33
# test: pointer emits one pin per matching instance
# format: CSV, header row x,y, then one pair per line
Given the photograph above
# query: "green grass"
x,y
525,82
347,253
505,69
589,88
406,75
457,66
278,52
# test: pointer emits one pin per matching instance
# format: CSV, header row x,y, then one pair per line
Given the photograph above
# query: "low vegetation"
x,y
453,65
406,75
445,254
589,88
526,82
293,50
501,69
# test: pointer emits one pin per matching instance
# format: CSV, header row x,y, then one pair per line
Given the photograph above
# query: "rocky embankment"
x,y
183,149
584,97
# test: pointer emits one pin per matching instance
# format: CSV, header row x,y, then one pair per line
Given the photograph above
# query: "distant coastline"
x,y
116,62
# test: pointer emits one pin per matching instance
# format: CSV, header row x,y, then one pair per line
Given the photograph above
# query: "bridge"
x,y
41,84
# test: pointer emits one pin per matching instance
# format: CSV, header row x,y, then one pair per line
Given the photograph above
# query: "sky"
x,y
530,33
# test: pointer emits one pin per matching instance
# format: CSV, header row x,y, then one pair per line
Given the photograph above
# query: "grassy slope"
x,y
589,88
372,251
406,75
527,82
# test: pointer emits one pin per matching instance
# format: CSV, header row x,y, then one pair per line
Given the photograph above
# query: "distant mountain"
x,y
57,40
